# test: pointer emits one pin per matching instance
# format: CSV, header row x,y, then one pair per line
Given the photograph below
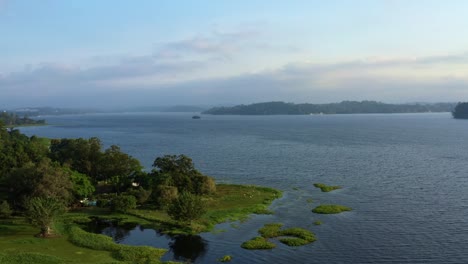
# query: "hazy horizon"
x,y
125,54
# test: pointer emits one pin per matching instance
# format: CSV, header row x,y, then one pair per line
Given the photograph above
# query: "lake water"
x,y
405,176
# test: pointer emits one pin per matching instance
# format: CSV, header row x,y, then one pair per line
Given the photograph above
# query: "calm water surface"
x,y
405,176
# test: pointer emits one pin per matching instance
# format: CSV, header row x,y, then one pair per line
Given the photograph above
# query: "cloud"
x,y
148,79
218,44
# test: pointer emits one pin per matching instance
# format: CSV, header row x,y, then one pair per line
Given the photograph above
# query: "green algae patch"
x,y
327,188
330,209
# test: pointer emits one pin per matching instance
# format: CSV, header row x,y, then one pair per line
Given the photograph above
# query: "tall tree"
x,y
118,168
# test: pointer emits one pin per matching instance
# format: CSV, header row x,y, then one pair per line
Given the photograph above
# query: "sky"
x,y
110,53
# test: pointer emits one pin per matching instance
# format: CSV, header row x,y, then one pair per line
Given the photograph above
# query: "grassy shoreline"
x,y
74,245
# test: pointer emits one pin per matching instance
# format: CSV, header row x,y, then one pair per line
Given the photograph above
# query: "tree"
x,y
42,212
82,155
179,171
44,179
82,185
118,168
123,203
186,207
461,111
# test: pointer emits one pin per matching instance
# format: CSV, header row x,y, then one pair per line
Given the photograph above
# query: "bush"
x,y
204,185
166,195
5,210
258,243
186,208
123,203
330,209
140,194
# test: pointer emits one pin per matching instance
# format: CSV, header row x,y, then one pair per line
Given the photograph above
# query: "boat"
x,y
196,117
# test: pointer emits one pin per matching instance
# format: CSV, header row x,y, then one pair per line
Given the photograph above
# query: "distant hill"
x,y
345,107
12,119
461,111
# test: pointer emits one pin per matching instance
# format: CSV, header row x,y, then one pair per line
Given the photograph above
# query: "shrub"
x,y
166,195
204,185
258,243
5,210
186,207
330,209
140,194
123,203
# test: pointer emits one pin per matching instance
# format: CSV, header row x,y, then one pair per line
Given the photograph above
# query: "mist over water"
x,y
404,175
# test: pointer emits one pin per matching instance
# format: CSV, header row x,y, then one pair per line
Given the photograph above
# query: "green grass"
x,y
330,209
326,188
18,245
317,222
229,203
258,243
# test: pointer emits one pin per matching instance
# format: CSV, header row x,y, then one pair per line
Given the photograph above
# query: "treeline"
x,y
13,119
345,107
40,176
460,111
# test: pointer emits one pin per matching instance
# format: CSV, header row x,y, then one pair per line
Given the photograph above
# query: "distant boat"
x,y
196,117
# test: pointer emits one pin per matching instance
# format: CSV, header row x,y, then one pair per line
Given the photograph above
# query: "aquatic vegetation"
x,y
226,258
317,222
258,243
330,209
327,188
291,236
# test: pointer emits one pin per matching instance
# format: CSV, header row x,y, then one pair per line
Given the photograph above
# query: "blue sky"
x,y
114,53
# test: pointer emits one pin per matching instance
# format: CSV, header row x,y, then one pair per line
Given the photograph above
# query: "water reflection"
x,y
185,248
188,248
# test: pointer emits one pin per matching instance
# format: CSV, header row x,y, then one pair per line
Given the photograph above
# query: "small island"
x,y
330,209
327,188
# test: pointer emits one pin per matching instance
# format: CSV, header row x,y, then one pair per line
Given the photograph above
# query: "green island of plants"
x,y
326,188
49,189
330,209
291,236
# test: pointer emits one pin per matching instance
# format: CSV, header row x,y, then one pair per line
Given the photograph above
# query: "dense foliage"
x,y
35,173
345,107
461,111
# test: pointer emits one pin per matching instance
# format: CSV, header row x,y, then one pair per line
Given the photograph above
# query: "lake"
x,y
404,175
